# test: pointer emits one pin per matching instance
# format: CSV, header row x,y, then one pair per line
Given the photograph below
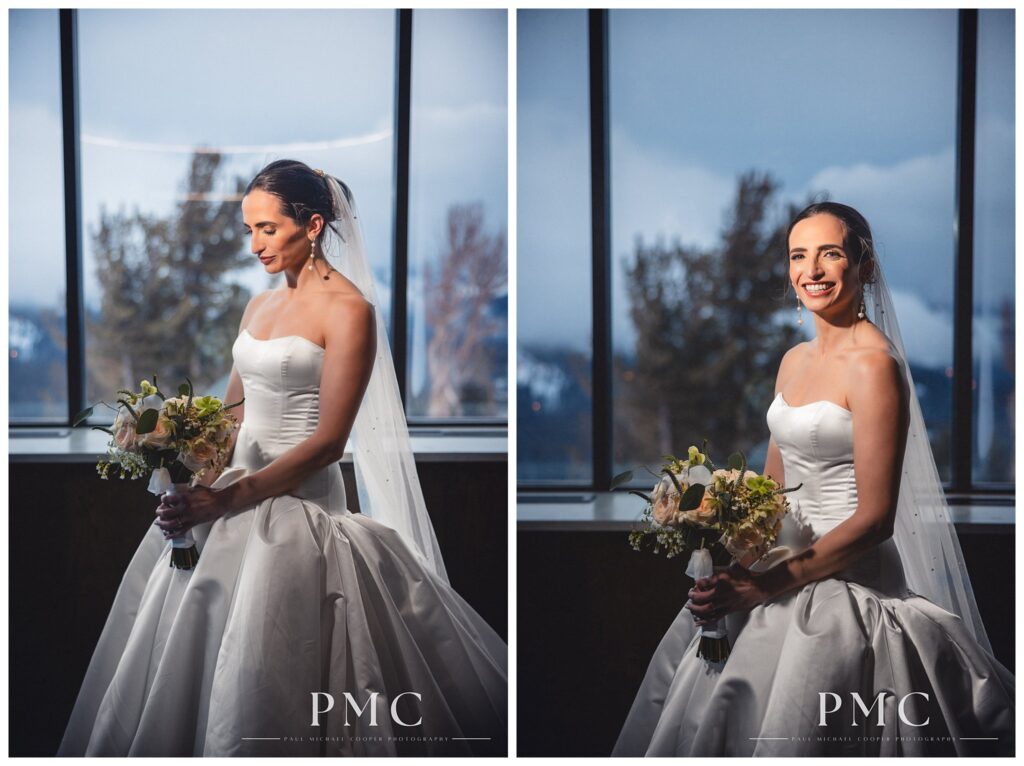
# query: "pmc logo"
x,y
824,709
327,704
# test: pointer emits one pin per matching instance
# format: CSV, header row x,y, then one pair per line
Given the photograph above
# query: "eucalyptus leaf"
x,y
691,497
147,421
736,461
183,389
622,478
86,413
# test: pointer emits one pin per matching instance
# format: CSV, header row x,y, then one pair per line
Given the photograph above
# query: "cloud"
x,y
908,202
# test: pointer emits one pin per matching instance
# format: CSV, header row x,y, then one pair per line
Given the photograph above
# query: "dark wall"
x,y
591,612
72,535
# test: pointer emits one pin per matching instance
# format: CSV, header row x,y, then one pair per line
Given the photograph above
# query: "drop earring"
x,y
860,314
312,254
799,312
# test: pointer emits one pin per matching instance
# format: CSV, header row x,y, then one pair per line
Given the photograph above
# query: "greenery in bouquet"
x,y
186,434
733,512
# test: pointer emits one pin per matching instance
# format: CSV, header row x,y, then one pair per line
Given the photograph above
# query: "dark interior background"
x,y
591,612
72,535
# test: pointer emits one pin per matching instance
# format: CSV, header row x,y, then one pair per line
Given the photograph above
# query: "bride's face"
x,y
280,242
820,269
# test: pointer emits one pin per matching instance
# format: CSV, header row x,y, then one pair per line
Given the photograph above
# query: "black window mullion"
x,y
600,227
963,244
400,238
72,207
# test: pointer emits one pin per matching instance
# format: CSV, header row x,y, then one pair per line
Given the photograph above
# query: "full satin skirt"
x,y
287,601
831,636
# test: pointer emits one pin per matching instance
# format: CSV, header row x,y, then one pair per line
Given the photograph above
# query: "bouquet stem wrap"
x,y
184,553
714,640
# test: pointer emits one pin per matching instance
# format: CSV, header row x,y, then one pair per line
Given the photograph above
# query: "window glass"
x,y
553,248
37,346
994,238
724,123
458,200
167,149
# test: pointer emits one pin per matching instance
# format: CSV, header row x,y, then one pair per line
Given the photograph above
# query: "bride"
x,y
859,634
304,629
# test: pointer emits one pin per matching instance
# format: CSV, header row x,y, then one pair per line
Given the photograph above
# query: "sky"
x,y
857,103
266,85
697,97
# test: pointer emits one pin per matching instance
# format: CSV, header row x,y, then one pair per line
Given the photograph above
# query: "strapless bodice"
x,y
816,444
281,381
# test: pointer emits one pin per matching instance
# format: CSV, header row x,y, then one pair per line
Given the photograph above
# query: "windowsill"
x,y
619,511
85,445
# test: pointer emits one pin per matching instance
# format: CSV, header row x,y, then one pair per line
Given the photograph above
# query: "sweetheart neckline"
x,y
282,337
817,401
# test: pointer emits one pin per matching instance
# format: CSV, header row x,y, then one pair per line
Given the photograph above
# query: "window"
x,y
553,258
458,256
710,155
165,152
994,238
702,176
37,355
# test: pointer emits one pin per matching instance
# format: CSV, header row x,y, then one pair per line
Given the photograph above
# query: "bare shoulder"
x,y
790,359
348,317
874,371
252,306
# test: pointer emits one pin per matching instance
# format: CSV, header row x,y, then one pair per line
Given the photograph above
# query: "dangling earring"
x,y
312,254
860,314
799,312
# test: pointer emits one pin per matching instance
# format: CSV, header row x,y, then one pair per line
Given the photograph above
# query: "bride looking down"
x,y
304,628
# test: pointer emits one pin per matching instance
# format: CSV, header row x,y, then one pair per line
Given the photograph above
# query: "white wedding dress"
x,y
858,631
294,596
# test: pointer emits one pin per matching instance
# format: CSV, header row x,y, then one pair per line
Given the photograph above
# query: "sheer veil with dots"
x,y
924,533
388,485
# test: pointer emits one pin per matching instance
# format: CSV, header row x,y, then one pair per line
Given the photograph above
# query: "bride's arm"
x,y
348,361
773,459
878,402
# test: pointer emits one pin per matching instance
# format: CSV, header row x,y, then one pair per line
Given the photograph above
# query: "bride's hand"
x,y
734,590
179,512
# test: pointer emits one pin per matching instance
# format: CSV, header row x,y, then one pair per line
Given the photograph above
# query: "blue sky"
x,y
859,103
260,82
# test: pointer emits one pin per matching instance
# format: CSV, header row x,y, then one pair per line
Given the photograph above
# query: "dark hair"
x,y
303,191
858,242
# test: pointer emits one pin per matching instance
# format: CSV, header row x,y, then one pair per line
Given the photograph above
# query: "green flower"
x,y
207,405
148,389
761,485
695,456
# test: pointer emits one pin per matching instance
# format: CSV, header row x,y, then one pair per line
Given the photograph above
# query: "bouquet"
x,y
715,515
173,440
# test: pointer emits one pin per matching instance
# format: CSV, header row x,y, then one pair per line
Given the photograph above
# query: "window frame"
x,y
74,302
961,488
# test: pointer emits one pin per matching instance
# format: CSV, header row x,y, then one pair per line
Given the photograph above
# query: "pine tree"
x,y
707,347
460,295
166,306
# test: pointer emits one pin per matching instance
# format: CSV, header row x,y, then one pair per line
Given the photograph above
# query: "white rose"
x,y
124,430
161,435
